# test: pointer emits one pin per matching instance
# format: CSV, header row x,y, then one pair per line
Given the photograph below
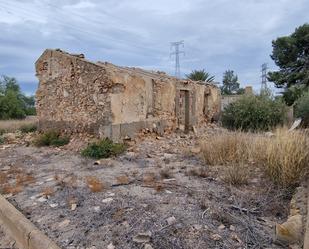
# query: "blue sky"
x,y
218,35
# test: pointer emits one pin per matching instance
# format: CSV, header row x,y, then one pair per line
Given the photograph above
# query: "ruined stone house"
x,y
76,95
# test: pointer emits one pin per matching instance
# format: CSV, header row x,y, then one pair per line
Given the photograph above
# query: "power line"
x,y
264,77
177,52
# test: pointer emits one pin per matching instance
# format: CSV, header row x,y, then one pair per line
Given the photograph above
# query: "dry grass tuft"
x,y
12,189
3,178
287,156
284,156
47,192
14,125
226,148
149,178
122,180
24,179
94,184
236,174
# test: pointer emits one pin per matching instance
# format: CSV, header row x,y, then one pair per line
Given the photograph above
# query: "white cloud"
x,y
218,35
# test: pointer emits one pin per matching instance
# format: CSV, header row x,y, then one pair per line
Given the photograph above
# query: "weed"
x,y
103,149
51,138
94,184
200,172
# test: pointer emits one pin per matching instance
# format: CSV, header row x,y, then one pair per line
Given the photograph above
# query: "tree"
x,y
13,103
230,83
291,55
200,75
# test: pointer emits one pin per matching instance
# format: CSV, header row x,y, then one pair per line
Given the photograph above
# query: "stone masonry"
x,y
76,95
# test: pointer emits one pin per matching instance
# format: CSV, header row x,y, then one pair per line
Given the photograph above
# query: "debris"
x,y
142,237
64,223
221,227
111,246
232,228
107,200
196,150
6,168
269,134
53,205
171,220
97,209
236,238
295,124
73,206
148,246
42,199
216,237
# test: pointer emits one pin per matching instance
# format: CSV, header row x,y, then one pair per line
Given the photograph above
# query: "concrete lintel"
x,y
21,230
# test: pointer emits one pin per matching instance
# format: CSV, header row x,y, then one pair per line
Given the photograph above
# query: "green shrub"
x,y
255,113
302,108
51,138
103,149
2,131
1,140
28,128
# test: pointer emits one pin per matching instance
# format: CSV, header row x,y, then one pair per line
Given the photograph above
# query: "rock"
x,y
107,200
221,227
97,209
148,246
73,206
236,238
64,223
196,150
232,228
53,205
291,230
142,237
216,237
42,199
111,246
5,168
171,220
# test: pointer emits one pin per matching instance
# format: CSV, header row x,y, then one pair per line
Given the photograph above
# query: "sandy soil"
x,y
153,188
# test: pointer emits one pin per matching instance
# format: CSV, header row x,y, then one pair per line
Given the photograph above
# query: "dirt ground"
x,y
157,195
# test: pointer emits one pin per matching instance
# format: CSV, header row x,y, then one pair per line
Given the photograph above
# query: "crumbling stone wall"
x,y
76,95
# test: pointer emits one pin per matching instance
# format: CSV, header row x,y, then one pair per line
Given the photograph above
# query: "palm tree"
x,y
200,75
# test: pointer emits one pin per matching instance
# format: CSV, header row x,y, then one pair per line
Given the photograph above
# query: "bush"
x,y
51,138
28,128
1,140
103,149
254,113
302,108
